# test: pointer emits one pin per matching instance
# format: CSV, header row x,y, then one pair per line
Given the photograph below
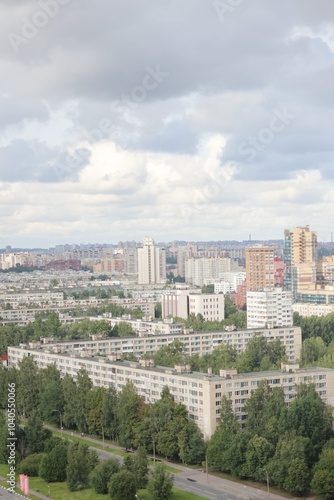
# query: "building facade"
x,y
201,393
151,263
269,308
260,273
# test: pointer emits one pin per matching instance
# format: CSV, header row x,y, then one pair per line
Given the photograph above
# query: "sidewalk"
x,y
37,494
233,488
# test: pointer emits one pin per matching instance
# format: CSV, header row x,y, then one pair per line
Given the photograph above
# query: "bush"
x,y
30,465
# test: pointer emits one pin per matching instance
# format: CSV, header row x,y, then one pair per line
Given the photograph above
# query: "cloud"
x,y
121,119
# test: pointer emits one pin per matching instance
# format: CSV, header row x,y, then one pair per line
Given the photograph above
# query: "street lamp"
x,y
61,422
267,477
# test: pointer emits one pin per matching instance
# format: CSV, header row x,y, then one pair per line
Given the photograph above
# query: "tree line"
x,y
290,446
123,417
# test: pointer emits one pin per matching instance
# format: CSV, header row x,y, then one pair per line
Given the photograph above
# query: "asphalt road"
x,y
6,495
196,481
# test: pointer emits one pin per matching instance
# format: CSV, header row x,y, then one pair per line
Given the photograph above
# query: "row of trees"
x,y
292,446
259,355
316,326
121,416
58,460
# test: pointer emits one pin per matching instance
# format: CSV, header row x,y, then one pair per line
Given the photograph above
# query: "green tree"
x,y
160,484
28,390
291,449
264,408
310,417
258,453
52,398
323,478
129,403
298,477
53,465
35,434
109,413
312,350
140,467
122,486
30,464
221,441
191,445
80,463
102,473
125,330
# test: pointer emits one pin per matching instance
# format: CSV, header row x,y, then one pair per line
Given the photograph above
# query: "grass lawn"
x,y
177,495
107,447
59,491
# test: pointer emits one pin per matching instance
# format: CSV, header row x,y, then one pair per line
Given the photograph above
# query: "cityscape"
x,y
166,250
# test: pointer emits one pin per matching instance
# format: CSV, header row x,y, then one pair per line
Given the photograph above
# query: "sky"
x,y
187,120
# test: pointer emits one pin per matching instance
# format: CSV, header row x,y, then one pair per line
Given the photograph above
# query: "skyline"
x,y
191,120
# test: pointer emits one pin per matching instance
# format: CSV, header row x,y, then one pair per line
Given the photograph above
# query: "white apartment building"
x,y
144,326
210,306
175,304
151,263
15,299
193,343
309,309
201,393
269,308
229,282
181,303
201,271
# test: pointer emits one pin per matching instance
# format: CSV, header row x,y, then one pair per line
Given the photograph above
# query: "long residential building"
x,y
201,393
193,343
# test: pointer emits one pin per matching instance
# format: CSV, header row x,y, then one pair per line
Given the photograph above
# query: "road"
x,y
6,495
196,481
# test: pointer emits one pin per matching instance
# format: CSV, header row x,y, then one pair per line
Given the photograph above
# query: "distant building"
x,y
203,271
151,263
259,268
269,308
182,303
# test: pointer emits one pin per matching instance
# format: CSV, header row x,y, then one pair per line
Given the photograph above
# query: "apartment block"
x,y
182,303
201,393
269,308
260,272
307,309
193,343
203,271
151,263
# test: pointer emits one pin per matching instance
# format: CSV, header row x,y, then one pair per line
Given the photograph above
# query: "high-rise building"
x,y
269,308
300,258
151,263
259,268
